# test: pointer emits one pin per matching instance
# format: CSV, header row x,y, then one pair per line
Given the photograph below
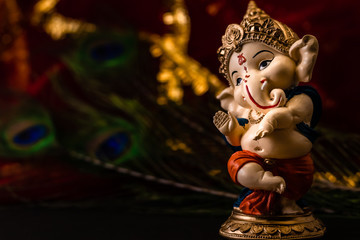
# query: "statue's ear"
x,y
304,52
226,98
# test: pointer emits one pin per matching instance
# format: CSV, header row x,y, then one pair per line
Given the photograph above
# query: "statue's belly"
x,y
282,143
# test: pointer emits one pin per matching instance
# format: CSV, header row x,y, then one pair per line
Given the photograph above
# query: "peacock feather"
x,y
26,127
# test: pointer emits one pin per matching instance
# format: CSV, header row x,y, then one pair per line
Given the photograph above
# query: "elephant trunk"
x,y
264,101
277,97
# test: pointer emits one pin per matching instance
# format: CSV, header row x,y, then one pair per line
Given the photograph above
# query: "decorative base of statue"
x,y
296,226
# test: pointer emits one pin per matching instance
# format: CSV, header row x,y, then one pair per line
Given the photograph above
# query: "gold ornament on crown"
x,y
256,26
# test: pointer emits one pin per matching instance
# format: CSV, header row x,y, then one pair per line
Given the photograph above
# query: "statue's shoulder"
x,y
315,98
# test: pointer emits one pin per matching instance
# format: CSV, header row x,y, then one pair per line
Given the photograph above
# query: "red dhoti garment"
x,y
297,173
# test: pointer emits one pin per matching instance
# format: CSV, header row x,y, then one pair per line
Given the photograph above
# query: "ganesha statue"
x,y
269,121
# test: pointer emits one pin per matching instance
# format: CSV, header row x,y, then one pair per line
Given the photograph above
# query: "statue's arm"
x,y
298,109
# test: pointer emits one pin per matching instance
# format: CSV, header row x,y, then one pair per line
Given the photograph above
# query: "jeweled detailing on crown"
x,y
256,26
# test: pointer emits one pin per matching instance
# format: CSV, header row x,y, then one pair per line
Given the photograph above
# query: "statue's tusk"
x,y
264,82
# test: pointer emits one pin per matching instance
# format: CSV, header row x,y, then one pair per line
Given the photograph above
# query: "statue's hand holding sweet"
x,y
265,128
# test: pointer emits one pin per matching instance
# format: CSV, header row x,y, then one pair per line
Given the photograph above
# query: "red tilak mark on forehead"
x,y
245,68
242,59
247,76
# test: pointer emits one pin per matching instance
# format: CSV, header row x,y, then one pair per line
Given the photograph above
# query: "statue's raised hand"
x,y
225,122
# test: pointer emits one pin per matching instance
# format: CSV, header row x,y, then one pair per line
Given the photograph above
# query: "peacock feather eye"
x,y
27,136
107,51
113,147
31,135
102,53
25,126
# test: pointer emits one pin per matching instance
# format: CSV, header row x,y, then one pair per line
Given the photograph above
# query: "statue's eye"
x,y
238,81
264,64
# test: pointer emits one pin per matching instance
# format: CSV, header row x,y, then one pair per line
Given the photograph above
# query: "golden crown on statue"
x,y
257,26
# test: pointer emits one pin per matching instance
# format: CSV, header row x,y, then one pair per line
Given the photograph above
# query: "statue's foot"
x,y
289,206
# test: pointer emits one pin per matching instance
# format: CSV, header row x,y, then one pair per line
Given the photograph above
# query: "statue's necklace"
x,y
258,120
